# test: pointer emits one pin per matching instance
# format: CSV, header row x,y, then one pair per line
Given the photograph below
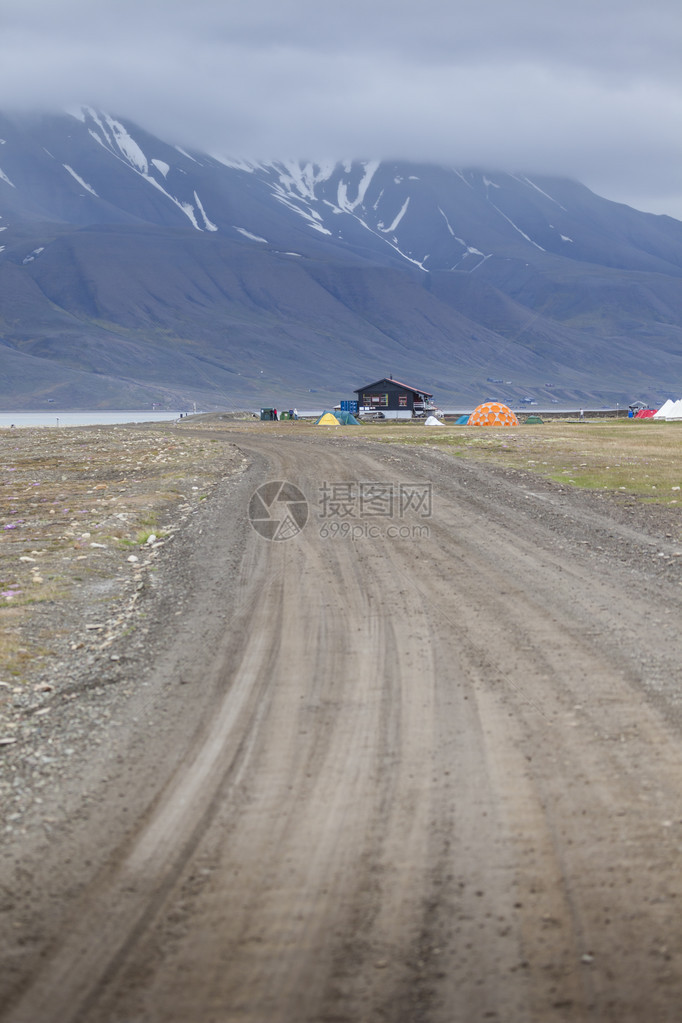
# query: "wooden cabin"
x,y
393,399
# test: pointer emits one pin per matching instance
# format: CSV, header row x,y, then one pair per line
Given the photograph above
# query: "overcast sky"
x,y
590,89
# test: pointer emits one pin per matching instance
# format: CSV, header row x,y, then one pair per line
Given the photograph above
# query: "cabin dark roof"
x,y
398,383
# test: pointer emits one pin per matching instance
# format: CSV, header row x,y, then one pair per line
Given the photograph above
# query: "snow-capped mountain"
x,y
134,270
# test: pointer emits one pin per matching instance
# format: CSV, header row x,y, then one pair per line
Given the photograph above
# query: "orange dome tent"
x,y
492,413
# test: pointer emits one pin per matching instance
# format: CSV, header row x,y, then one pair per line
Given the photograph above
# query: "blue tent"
x,y
462,421
342,419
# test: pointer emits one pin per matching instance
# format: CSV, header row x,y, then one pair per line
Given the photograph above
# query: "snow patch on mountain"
x,y
250,236
33,255
117,140
460,175
236,164
186,207
112,135
316,191
303,177
408,257
399,216
343,201
207,223
295,190
517,228
531,184
162,168
315,221
471,250
3,177
393,244
80,180
183,152
127,146
447,223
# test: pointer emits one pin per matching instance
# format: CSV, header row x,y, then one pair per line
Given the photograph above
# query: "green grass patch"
x,y
144,534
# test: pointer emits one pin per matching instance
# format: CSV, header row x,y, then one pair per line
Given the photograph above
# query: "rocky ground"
x,y
87,517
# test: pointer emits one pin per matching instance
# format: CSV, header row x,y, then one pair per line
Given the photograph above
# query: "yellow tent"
x,y
327,419
492,413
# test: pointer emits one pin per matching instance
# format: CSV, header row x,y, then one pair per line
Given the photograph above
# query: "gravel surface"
x,y
427,778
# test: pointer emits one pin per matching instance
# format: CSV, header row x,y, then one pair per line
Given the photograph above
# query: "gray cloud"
x,y
590,90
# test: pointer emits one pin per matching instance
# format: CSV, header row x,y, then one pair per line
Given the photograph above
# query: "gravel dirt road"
x,y
430,770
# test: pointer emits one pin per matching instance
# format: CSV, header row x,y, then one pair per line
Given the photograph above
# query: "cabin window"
x,y
402,401
376,399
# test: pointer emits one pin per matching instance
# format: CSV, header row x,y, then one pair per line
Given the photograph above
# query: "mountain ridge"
x,y
134,270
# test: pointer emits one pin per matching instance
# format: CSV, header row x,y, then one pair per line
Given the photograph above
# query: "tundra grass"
x,y
74,502
639,458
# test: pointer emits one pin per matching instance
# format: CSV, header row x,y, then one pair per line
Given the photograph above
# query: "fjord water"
x,y
83,417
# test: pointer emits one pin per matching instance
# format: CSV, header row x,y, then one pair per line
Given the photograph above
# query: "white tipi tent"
x,y
670,410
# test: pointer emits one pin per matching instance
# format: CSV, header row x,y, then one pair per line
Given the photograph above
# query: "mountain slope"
x,y
132,271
